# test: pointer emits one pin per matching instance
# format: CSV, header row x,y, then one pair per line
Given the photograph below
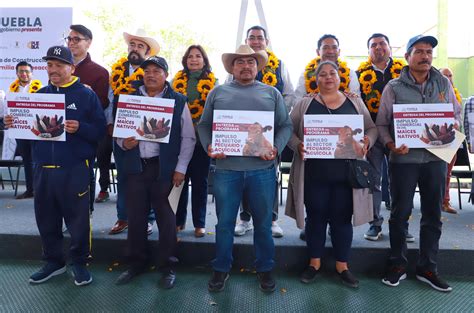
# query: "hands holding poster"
x,y
145,118
427,125
338,136
242,133
37,116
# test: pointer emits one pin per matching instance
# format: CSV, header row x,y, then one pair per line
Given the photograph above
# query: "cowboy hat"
x,y
242,52
141,35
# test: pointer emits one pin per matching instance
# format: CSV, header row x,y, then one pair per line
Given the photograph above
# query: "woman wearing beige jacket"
x,y
321,185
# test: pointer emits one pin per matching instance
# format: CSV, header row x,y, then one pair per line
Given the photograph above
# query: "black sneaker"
x,y
217,281
49,270
432,279
348,279
267,283
309,275
394,275
82,276
374,233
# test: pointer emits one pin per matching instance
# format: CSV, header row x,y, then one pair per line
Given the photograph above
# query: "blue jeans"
x,y
229,187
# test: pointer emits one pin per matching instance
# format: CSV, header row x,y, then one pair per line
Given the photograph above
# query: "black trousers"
x,y
430,178
104,157
144,192
24,149
57,196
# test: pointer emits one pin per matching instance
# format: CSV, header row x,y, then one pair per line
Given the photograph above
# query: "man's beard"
x,y
136,60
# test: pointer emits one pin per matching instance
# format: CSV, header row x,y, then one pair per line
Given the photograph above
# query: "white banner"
x,y
242,133
337,136
37,116
426,125
25,35
145,118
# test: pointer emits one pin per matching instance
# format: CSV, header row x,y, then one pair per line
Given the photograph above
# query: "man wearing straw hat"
x,y
124,72
253,175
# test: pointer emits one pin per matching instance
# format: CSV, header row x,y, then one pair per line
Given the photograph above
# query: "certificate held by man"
x,y
145,118
242,133
37,116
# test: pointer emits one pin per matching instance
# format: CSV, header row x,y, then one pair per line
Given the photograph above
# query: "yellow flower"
x,y
35,85
311,85
396,69
269,79
15,86
458,96
368,77
204,86
180,85
366,88
196,109
273,62
373,101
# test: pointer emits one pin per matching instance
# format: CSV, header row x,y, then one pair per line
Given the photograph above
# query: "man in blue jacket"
x,y
61,174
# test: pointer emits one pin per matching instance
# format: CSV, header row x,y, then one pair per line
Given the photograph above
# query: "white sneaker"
x,y
277,232
242,227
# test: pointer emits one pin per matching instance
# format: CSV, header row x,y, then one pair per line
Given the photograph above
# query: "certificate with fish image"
x,y
242,133
425,125
337,136
37,116
145,118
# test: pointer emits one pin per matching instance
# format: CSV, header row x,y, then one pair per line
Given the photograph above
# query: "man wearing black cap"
x,y
57,196
419,82
151,171
95,76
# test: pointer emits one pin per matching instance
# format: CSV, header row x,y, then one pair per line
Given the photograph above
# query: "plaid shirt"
x,y
468,108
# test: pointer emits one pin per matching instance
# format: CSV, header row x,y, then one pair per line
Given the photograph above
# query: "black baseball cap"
x,y
60,53
429,39
158,61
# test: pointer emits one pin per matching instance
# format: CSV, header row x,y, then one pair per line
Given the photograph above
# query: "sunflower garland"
x,y
204,86
310,75
35,85
121,84
368,77
269,71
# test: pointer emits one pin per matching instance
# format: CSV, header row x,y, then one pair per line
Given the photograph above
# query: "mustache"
x,y
135,59
424,62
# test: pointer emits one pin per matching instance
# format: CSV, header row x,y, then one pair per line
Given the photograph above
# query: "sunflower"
x,y
366,88
204,86
196,109
396,69
310,70
273,62
180,85
121,84
35,85
373,103
311,85
368,77
269,79
458,96
15,86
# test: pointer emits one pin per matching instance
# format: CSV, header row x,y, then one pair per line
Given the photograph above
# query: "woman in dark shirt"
x,y
328,196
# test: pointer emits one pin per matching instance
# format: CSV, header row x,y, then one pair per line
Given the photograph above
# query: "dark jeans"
x,y
328,203
198,171
376,156
24,149
430,178
91,184
57,196
385,181
104,158
144,192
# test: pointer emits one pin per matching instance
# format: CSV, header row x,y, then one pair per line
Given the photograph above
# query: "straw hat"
x,y
244,51
141,35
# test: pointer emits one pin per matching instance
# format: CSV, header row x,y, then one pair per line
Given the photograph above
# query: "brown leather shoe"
x,y
448,208
119,227
180,228
199,232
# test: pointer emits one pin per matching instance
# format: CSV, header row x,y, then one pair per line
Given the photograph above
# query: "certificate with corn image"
x,y
37,116
145,118
427,125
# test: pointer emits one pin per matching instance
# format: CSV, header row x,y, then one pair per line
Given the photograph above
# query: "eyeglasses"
x,y
74,39
24,71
